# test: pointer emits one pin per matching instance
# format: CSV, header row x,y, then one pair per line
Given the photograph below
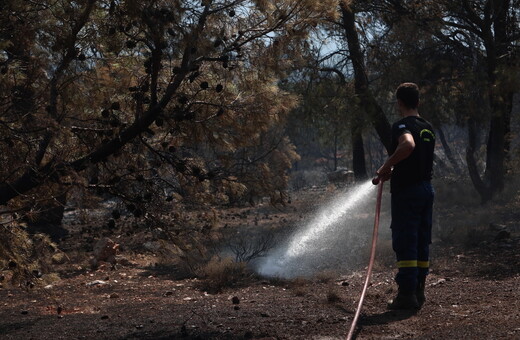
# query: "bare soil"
x,y
472,293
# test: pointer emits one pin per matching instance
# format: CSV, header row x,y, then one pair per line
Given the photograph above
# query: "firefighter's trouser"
x,y
411,233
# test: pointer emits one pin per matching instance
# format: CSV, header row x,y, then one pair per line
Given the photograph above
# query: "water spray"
x,y
322,238
379,182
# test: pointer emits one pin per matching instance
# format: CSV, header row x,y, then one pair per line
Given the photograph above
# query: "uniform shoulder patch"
x,y
427,135
401,126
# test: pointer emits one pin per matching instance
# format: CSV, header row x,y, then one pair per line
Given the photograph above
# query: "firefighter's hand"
x,y
384,173
386,176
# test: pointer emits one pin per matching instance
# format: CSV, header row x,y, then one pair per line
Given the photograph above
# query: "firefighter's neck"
x,y
406,111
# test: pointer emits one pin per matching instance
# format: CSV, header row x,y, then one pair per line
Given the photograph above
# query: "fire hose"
x,y
376,181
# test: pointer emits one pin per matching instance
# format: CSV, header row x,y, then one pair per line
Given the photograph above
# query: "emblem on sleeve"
x,y
427,135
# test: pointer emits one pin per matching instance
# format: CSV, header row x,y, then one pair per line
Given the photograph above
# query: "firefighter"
x,y
409,168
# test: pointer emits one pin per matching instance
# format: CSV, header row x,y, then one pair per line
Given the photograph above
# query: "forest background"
x,y
162,106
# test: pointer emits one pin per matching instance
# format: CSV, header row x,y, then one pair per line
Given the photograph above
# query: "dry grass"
x,y
220,273
299,286
332,295
25,257
326,276
300,291
298,282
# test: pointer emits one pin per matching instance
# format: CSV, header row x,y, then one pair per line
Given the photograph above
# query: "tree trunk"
x,y
493,179
335,151
48,219
447,151
367,102
481,187
496,44
358,152
494,175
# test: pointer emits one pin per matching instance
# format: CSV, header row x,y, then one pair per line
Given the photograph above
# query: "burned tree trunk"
x,y
367,102
497,39
358,151
448,151
48,217
474,173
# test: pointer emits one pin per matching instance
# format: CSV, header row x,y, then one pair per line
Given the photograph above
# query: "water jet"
x,y
336,233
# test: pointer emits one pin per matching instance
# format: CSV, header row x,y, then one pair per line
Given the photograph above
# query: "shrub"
x,y
24,256
220,273
299,286
326,276
249,246
333,296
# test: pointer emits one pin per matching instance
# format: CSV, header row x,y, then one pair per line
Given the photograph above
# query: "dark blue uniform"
x,y
412,202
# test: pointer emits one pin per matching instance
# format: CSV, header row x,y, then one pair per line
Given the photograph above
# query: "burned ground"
x,y
472,291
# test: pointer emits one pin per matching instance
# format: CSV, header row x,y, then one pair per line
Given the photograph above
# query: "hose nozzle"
x,y
376,180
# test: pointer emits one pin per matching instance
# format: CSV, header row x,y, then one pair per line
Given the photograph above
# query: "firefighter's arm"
x,y
403,150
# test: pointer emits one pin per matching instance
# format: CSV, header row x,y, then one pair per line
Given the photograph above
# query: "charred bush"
x,y
220,273
246,248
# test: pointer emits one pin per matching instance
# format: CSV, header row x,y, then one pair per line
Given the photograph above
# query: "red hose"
x,y
372,256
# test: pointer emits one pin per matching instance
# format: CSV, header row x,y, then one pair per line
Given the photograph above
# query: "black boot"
x,y
419,293
404,300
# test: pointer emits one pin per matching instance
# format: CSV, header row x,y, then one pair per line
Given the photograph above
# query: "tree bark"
x,y
481,187
335,150
358,155
448,151
367,102
496,44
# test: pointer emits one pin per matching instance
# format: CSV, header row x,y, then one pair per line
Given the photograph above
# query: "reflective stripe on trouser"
x,y
413,263
411,233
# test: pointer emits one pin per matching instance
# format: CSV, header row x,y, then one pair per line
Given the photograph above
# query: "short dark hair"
x,y
408,93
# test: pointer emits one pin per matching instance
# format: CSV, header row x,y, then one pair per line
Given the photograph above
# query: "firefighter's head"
x,y
407,95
